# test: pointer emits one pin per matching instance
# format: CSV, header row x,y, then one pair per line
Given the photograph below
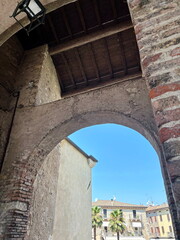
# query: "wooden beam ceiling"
x,y
91,43
89,38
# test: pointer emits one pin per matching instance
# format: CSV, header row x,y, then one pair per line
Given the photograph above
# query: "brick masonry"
x,y
37,83
157,30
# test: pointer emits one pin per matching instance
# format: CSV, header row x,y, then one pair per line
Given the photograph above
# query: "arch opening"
x,y
70,195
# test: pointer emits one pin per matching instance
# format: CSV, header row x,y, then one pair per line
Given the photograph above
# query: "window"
x,y
170,228
168,217
152,230
105,213
157,230
155,219
134,214
162,229
160,218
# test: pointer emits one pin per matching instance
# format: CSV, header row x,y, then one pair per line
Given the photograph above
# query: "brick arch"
x,y
86,119
158,45
52,122
76,123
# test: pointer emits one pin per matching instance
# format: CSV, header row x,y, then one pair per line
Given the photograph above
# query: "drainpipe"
x,y
15,95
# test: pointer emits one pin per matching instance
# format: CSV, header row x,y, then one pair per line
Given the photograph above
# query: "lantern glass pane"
x,y
33,6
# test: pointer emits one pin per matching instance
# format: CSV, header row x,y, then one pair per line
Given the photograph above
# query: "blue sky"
x,y
128,166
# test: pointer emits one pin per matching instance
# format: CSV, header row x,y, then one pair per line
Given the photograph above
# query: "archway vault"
x,y
37,129
119,103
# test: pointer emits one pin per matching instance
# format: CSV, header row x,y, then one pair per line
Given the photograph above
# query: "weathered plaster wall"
x,y
44,198
37,81
10,57
73,204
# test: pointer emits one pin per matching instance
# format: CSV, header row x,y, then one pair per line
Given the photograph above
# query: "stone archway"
x,y
156,32
45,184
49,126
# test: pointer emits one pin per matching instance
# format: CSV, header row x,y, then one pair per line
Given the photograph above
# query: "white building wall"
x,y
73,203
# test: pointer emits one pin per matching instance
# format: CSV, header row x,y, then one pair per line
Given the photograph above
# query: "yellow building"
x,y
159,221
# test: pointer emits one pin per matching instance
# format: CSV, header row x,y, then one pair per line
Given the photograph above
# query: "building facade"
x,y
134,216
159,221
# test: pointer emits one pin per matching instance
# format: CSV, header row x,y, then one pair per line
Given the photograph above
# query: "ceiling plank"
x,y
60,82
114,9
90,38
68,69
66,22
81,65
81,16
52,28
94,61
96,7
108,58
123,56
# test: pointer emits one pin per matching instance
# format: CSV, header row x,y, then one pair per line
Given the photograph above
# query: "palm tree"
x,y
97,220
116,222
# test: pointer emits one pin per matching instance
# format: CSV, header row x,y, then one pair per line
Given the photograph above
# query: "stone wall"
x,y
37,83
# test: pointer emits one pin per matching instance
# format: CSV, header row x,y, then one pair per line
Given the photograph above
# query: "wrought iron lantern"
x,y
35,12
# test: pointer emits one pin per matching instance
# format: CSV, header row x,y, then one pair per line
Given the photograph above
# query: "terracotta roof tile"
x,y
113,203
157,207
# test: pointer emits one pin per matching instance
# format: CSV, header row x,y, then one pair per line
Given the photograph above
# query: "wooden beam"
x,y
89,38
104,84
